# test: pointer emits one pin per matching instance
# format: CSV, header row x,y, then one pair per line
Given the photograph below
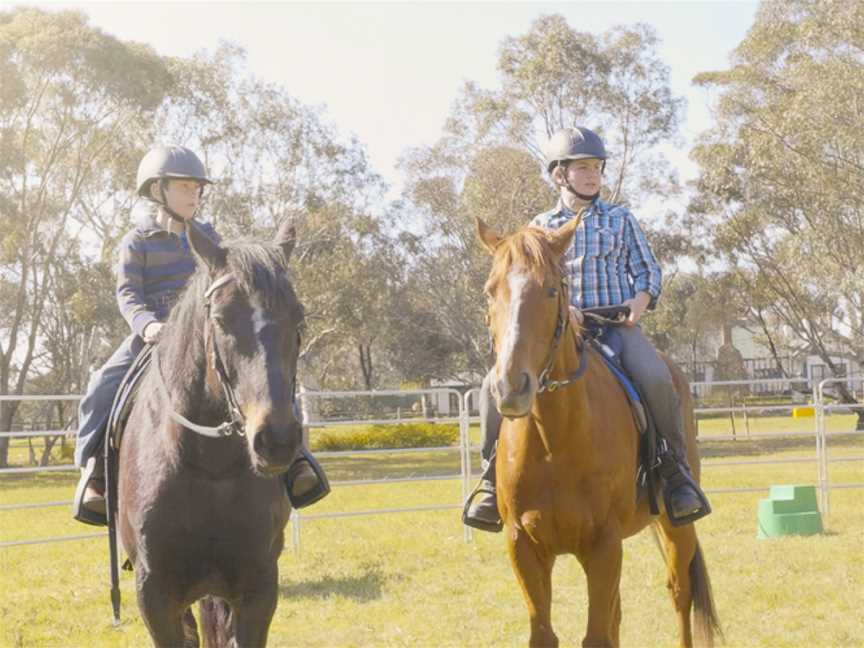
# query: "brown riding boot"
x,y
306,481
89,503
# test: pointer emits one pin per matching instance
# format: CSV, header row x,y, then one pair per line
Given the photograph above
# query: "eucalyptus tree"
x,y
69,96
782,173
488,162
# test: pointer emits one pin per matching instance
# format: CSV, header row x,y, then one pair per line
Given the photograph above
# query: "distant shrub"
x,y
401,435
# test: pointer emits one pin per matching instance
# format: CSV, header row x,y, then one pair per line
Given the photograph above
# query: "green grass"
x,y
410,579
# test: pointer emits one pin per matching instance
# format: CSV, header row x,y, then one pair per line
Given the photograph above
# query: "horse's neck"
x,y
563,415
183,364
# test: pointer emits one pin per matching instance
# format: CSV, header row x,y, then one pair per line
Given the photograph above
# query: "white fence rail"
x,y
465,405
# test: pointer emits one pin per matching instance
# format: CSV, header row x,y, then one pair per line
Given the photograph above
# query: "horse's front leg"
x,y
162,612
601,561
533,568
253,614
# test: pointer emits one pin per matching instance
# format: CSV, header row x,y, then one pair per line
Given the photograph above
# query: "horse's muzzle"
x,y
514,402
276,446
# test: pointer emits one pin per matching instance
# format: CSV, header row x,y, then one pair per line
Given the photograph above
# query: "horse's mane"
x,y
257,268
526,248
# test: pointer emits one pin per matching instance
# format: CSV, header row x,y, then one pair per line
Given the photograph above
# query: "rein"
x,y
237,421
560,328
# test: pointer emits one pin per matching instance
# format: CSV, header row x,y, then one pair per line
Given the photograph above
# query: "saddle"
x,y
601,332
122,405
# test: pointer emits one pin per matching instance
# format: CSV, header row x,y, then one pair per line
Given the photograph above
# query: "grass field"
x,y
410,579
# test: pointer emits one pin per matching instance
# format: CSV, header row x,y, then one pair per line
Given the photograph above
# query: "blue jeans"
x,y
95,407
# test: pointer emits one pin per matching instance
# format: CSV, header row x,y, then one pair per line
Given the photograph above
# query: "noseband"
x,y
237,421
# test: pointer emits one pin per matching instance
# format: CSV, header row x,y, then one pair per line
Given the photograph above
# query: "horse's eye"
x,y
553,292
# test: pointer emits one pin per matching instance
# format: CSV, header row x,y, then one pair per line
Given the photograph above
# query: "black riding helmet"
x,y
573,144
577,143
166,162
169,162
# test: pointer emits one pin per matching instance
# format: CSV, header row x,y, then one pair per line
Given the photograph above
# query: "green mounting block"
x,y
789,510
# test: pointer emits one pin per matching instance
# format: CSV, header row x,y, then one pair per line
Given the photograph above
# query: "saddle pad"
x,y
608,344
126,395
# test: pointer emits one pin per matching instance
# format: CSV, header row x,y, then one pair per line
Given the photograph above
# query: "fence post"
x,y
295,531
465,442
821,448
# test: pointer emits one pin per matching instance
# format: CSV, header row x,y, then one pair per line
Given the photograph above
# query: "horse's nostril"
x,y
526,383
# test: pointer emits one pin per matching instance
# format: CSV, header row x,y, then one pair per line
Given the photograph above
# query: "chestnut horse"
x,y
201,506
567,458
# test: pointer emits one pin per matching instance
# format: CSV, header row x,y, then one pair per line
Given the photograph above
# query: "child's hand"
x,y
576,316
152,331
637,307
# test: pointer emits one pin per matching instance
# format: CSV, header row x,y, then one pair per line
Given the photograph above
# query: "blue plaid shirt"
x,y
610,259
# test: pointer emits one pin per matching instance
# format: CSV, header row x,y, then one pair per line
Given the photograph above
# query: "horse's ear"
x,y
205,248
561,238
488,237
286,237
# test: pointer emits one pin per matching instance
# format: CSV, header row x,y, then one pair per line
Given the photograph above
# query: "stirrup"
x,y
675,476
316,493
79,511
701,512
482,525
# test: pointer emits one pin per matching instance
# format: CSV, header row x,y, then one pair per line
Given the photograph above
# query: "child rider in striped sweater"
x,y
155,263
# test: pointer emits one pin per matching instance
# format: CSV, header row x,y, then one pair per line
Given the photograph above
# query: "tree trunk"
x,y
844,395
771,346
365,351
7,415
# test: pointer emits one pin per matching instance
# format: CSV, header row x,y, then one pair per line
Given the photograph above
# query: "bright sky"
x,y
389,72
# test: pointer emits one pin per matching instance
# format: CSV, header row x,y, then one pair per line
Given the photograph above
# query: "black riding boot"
x,y
306,481
481,507
684,500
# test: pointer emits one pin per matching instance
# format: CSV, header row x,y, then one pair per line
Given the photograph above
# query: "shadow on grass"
x,y
365,587
754,447
14,481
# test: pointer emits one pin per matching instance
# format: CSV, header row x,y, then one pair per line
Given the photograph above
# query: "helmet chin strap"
x,y
582,196
164,205
586,197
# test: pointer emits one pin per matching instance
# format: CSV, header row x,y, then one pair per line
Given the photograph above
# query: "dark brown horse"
x,y
201,506
567,458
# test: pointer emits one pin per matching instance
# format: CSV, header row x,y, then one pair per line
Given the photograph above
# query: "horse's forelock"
x,y
527,249
257,269
262,270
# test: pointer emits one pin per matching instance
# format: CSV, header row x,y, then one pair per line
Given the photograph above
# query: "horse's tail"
x,y
216,622
705,621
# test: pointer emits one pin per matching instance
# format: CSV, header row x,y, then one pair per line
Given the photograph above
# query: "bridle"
x,y
545,383
237,421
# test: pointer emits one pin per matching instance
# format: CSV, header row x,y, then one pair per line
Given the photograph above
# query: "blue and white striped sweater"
x,y
153,268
